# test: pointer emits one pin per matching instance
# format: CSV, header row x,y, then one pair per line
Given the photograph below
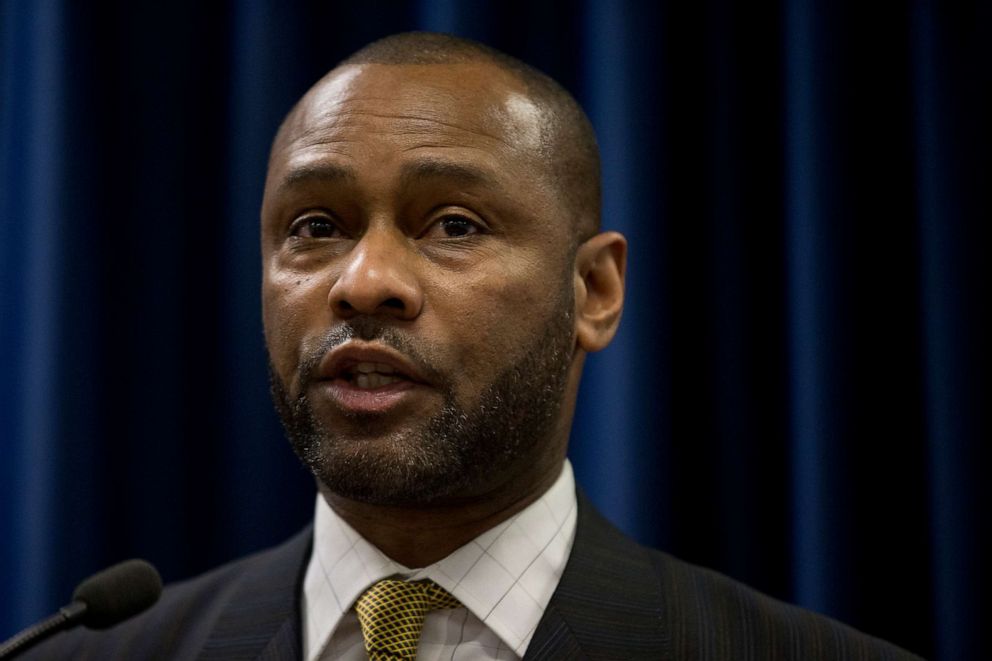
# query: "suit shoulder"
x,y
704,601
182,620
617,599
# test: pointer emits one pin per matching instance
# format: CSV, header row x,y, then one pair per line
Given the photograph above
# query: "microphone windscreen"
x,y
118,592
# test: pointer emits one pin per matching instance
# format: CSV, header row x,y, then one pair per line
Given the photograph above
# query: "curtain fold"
x,y
953,176
32,167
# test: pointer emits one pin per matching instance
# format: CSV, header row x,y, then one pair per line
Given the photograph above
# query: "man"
x,y
433,277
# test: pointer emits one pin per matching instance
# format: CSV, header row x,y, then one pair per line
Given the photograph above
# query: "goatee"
x,y
454,450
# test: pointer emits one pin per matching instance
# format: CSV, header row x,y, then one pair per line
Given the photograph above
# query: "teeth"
x,y
368,368
373,380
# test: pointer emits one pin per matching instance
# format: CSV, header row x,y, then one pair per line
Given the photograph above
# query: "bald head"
x,y
565,140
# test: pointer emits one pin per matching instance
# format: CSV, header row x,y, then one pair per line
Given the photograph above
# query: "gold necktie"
x,y
392,615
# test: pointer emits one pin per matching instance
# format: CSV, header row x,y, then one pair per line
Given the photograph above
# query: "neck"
x,y
419,536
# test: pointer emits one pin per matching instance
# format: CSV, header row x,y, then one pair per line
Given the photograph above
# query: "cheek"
x,y
289,303
492,318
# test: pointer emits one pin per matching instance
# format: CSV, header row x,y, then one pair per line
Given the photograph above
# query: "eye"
x,y
314,226
453,226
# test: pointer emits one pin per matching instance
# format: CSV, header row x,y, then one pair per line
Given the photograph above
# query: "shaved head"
x,y
567,142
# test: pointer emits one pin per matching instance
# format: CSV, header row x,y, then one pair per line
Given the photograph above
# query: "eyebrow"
x,y
317,173
432,168
410,173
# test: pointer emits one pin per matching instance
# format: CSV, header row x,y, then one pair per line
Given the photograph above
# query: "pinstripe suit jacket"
x,y
616,600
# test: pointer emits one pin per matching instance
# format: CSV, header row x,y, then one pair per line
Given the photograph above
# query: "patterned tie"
x,y
392,615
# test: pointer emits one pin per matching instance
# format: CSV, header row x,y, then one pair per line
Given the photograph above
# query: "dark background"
x,y
799,393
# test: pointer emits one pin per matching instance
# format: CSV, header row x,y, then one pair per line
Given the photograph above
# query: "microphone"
x,y
101,601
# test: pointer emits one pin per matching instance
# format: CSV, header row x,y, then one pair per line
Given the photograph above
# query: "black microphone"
x,y
99,602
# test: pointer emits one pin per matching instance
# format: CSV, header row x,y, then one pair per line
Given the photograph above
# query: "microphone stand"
x,y
65,618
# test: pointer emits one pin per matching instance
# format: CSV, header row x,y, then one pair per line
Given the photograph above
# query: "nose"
x,y
378,279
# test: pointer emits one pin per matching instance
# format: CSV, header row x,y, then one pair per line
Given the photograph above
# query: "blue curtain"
x,y
799,395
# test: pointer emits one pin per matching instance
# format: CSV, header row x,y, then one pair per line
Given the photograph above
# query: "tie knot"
x,y
392,616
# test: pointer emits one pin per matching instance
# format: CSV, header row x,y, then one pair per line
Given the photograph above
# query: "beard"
x,y
454,452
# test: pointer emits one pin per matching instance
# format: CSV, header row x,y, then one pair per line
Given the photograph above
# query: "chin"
x,y
388,469
385,482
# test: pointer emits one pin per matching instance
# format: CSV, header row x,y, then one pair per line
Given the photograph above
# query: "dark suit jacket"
x,y
616,600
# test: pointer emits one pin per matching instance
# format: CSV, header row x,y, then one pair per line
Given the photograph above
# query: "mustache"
x,y
370,329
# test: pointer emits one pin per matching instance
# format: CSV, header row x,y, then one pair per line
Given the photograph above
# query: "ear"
x,y
600,264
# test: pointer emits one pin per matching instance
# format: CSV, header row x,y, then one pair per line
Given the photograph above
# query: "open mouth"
x,y
364,378
368,375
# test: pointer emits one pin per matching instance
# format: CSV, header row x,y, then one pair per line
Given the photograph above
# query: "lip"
x,y
348,397
353,352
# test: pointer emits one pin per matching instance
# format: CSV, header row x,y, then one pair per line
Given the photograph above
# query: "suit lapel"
x,y
608,602
262,616
607,605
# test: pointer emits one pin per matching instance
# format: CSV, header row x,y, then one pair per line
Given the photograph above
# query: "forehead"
x,y
468,106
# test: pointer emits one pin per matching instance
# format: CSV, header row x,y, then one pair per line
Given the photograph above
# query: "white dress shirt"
x,y
504,578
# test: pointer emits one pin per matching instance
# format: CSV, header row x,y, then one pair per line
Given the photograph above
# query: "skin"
x,y
369,212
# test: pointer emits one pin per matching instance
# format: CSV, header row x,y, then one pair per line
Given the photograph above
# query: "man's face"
x,y
418,284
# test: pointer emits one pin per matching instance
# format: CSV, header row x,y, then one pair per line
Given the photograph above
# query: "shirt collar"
x,y
505,576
